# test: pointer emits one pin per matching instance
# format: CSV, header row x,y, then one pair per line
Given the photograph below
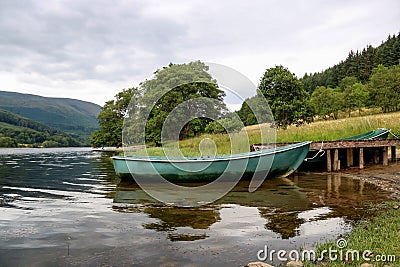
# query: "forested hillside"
x,y
358,64
67,115
16,131
369,80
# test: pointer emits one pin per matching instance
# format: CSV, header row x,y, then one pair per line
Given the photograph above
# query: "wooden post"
x,y
361,158
328,160
329,186
336,163
376,157
349,157
393,148
352,156
336,184
385,156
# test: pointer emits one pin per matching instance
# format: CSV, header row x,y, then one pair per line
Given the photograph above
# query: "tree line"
x,y
370,78
358,64
292,104
18,130
148,107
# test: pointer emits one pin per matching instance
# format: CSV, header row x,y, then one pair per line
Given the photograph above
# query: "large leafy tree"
x,y
111,119
175,89
346,86
384,87
288,100
254,111
246,115
361,96
327,102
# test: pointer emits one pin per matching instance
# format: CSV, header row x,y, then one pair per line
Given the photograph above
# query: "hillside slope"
x,y
17,130
358,64
70,115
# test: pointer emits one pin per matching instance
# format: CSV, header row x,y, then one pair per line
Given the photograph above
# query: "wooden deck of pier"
x,y
349,148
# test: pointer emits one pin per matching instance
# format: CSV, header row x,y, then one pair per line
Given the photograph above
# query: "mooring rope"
x,y
316,154
393,134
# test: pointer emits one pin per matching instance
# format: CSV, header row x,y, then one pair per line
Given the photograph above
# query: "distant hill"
x,y
68,115
17,130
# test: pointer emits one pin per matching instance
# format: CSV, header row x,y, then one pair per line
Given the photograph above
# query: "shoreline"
x,y
377,234
385,177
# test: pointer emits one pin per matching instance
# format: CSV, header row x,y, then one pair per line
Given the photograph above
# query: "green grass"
x,y
380,235
335,129
204,145
316,131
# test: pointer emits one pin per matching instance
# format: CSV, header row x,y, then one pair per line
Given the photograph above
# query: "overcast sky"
x,y
90,50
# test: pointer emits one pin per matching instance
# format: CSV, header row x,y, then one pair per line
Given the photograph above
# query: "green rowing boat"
x,y
380,133
317,158
279,161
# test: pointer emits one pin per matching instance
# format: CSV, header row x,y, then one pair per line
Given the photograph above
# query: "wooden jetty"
x,y
351,149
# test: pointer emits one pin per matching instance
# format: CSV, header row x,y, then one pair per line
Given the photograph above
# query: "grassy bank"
x,y
316,131
380,236
334,129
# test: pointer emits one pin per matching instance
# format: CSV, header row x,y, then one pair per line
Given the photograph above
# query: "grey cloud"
x,y
75,37
120,41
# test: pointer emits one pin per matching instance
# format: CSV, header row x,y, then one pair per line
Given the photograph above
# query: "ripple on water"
x,y
72,202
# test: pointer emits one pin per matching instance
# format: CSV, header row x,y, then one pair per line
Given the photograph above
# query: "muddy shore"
x,y
385,177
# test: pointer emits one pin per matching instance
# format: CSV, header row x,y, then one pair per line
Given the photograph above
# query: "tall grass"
x,y
380,236
317,131
335,129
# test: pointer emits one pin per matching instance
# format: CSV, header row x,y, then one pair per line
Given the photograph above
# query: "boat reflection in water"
x,y
285,205
69,205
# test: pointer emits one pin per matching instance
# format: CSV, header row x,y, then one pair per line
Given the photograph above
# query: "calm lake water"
x,y
66,207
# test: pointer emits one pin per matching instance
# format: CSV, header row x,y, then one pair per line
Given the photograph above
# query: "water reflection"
x,y
285,204
72,206
345,195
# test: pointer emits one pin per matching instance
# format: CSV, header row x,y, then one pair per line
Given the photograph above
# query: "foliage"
x,y
49,143
21,130
254,111
288,100
111,119
177,94
6,141
346,86
357,83
327,102
355,94
360,95
67,115
384,87
228,124
358,64
246,115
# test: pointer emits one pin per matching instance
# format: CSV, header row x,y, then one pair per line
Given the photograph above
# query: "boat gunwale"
x,y
240,156
384,131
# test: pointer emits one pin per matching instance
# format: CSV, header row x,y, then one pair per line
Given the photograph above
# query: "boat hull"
x,y
275,162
